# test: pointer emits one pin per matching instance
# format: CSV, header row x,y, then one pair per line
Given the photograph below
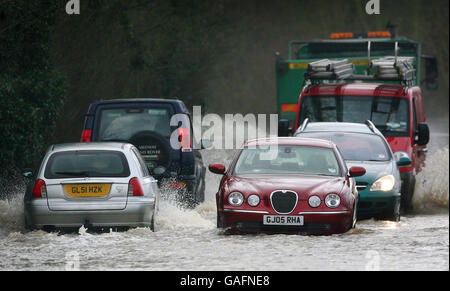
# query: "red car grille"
x,y
284,201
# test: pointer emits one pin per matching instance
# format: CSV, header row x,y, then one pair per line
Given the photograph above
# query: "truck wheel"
x,y
407,190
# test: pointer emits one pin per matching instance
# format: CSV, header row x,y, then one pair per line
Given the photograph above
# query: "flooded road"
x,y
189,240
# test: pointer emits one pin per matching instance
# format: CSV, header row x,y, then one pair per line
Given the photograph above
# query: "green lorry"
x,y
357,48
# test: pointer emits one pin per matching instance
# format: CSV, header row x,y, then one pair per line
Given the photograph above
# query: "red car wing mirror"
x,y
356,172
217,169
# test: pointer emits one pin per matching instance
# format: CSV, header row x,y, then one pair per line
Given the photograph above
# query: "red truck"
x,y
386,95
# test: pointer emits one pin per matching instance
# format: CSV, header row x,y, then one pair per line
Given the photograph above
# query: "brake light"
x,y
177,185
86,135
289,107
185,140
39,189
134,188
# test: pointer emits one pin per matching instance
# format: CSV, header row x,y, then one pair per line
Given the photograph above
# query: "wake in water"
x,y
11,215
432,183
174,213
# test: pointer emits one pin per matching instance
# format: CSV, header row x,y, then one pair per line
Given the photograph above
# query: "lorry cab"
x,y
358,48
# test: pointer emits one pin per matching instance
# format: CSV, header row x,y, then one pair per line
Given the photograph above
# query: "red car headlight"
x,y
332,200
253,200
314,201
236,199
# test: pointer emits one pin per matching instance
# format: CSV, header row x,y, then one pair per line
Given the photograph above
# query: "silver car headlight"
x,y
236,199
253,200
332,200
385,183
314,201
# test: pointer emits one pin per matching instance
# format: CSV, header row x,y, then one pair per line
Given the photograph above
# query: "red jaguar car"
x,y
287,185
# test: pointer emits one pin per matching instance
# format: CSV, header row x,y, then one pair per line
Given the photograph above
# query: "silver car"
x,y
98,185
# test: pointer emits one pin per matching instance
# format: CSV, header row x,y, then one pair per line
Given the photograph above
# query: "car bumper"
x,y
330,222
374,203
137,213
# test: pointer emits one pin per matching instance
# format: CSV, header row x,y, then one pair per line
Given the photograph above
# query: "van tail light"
x,y
134,188
185,140
86,135
39,189
177,185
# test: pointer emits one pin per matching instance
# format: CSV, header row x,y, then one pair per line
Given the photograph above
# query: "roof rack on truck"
x,y
389,68
327,69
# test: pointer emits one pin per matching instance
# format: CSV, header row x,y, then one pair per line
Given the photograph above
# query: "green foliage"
x,y
167,42
31,91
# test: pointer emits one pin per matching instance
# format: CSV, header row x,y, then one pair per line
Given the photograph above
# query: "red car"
x,y
287,185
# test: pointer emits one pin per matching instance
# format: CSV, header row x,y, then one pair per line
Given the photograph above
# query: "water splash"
x,y
432,183
11,215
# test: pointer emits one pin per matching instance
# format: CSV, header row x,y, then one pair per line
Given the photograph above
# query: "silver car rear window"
x,y
93,163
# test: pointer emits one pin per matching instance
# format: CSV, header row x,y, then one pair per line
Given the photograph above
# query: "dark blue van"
x,y
146,123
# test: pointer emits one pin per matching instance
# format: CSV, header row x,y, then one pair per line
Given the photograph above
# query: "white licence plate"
x,y
282,220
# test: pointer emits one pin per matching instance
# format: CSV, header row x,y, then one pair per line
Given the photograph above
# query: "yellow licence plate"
x,y
87,190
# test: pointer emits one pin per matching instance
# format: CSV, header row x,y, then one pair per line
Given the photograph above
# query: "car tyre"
x,y
152,224
408,186
27,226
394,214
354,217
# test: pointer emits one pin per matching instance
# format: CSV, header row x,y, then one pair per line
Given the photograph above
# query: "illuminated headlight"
x,y
384,184
314,201
236,199
332,200
253,200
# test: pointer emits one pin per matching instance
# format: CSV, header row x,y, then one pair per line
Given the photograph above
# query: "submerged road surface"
x,y
189,240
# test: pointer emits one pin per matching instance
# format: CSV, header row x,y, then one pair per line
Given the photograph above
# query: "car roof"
x,y
178,104
138,100
118,146
360,89
338,127
294,141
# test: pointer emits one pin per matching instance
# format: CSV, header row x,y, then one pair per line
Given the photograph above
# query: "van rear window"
x,y
120,124
72,164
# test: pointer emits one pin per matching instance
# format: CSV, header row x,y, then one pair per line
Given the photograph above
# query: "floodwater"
x,y
189,239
